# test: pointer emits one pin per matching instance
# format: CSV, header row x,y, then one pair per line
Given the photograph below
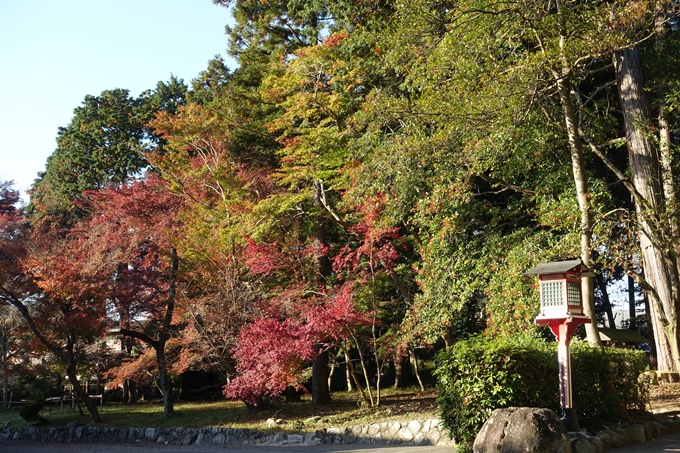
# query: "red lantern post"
x,y
562,311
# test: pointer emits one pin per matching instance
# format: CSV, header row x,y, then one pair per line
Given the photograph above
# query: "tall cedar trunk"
x,y
321,393
562,78
665,136
77,388
659,261
582,194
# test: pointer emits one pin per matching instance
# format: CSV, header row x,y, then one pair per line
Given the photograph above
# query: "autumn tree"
x,y
9,210
134,263
287,332
218,160
54,299
374,265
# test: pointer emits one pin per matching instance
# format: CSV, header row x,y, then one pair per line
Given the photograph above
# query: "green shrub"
x,y
31,412
479,375
605,382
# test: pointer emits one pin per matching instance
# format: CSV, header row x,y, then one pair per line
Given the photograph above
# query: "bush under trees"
x,y
481,374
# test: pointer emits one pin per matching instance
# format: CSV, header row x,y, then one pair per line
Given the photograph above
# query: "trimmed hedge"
x,y
481,374
31,412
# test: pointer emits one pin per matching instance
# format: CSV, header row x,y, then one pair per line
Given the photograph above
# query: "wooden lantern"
x,y
562,311
560,283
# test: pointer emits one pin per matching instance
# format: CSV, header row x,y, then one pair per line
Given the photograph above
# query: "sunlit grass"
x,y
346,409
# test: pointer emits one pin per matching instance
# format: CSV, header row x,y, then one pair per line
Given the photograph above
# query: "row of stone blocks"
x,y
428,432
620,437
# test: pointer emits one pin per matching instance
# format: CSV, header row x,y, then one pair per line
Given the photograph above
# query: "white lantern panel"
x,y
552,293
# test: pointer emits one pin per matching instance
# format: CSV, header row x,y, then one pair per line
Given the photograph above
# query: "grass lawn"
x,y
345,410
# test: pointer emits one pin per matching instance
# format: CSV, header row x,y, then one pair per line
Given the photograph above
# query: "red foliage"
x,y
272,351
333,39
376,243
336,319
270,357
126,242
264,259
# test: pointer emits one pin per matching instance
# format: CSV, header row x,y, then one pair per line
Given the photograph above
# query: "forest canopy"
x,y
368,185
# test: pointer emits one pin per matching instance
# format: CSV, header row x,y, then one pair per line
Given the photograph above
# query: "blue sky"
x,y
54,53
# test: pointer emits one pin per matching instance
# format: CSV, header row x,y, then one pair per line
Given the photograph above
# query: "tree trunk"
x,y
348,370
364,369
353,373
583,195
651,335
80,392
166,388
320,391
606,303
164,381
416,368
655,237
562,78
402,370
631,304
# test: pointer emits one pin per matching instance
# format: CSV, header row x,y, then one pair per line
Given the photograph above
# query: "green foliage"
x,y
31,412
605,381
482,374
39,389
102,146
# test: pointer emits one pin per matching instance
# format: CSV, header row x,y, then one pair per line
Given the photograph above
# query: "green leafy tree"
x,y
470,145
102,146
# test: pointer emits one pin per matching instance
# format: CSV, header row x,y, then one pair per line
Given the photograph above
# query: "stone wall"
x,y
636,433
427,432
416,432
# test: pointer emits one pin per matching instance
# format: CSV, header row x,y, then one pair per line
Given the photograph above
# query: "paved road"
x,y
42,447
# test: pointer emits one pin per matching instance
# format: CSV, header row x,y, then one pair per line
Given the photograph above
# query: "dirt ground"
x,y
664,397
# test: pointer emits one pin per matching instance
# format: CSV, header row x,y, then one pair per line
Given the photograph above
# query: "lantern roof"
x,y
558,267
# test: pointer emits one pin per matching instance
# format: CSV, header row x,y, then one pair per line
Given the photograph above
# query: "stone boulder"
x,y
523,429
